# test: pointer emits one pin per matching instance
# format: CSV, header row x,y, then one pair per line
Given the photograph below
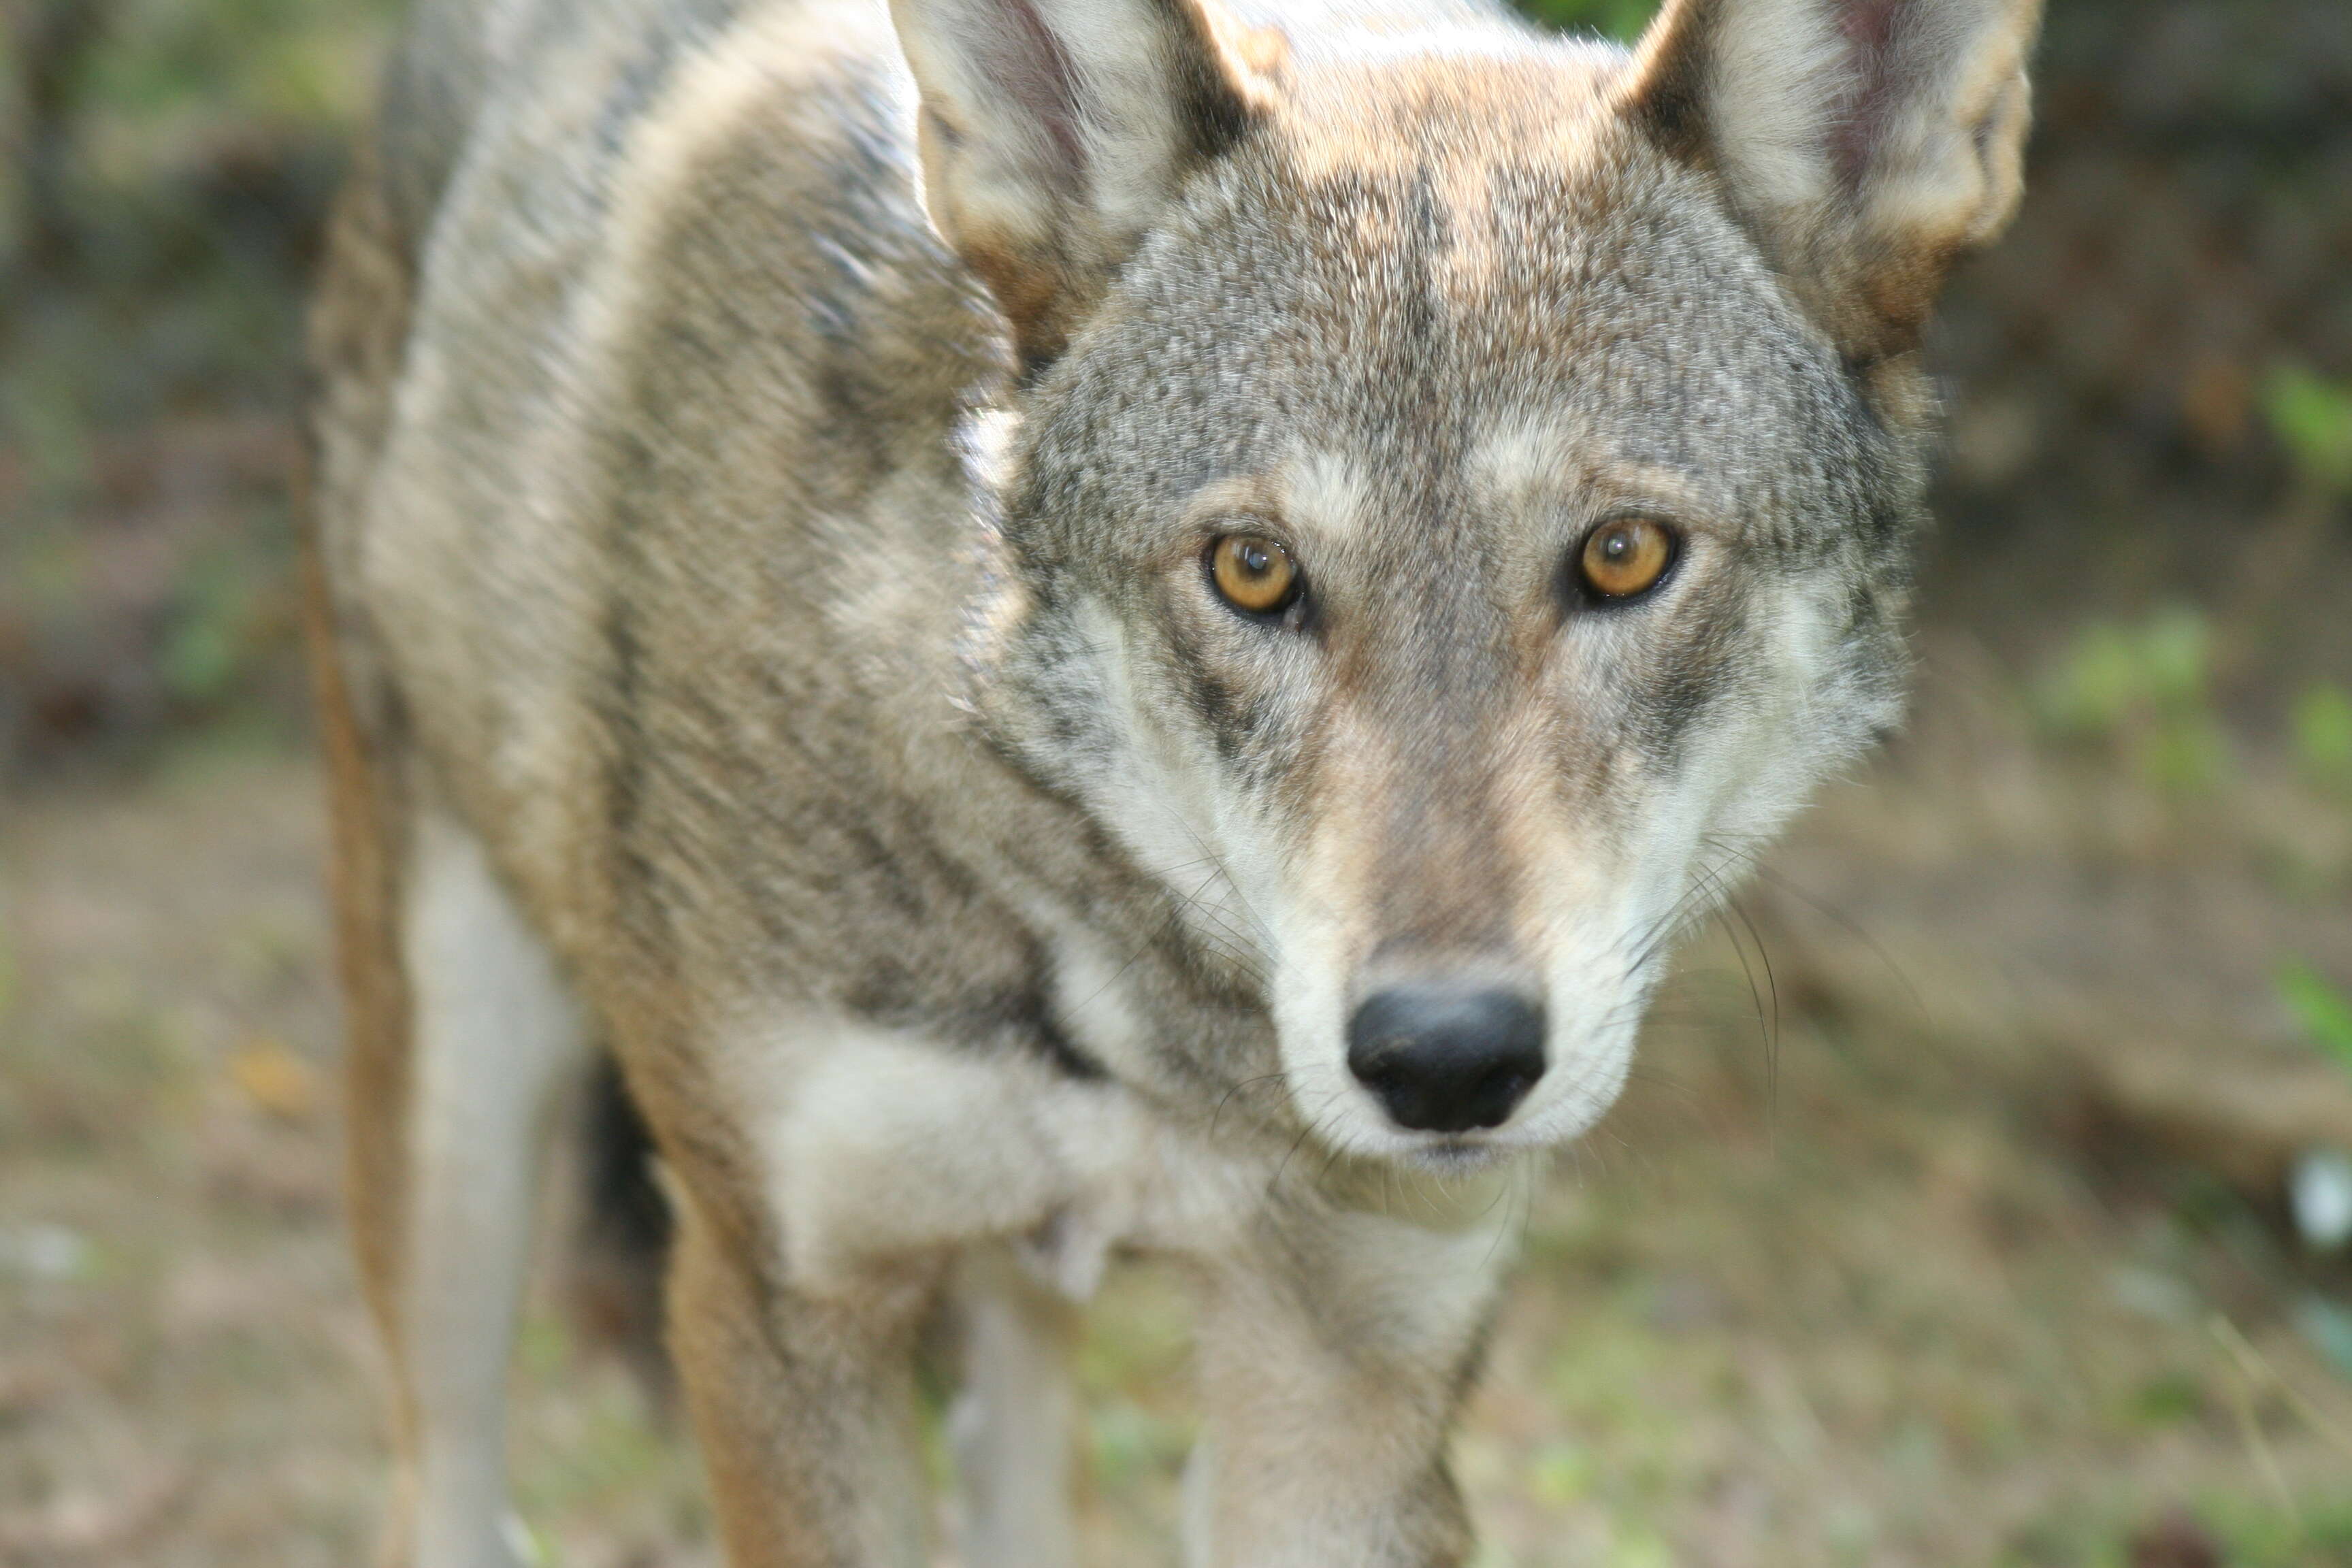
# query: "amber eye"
x,y
1254,573
1625,557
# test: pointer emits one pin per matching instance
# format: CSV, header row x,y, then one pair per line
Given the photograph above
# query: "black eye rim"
x,y
1290,613
1581,589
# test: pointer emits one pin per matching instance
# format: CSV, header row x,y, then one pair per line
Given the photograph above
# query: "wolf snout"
x,y
1447,1058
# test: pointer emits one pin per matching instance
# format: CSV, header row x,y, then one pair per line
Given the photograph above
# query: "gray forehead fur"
x,y
1277,313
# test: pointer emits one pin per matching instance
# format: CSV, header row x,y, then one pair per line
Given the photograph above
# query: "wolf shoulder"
x,y
681,347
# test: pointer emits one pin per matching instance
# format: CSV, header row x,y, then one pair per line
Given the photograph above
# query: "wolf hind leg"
x,y
1012,1426
497,1039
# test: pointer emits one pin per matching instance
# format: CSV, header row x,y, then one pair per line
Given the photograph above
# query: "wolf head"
x,y
1463,482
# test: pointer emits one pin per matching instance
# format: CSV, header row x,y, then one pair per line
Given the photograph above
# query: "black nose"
x,y
1447,1058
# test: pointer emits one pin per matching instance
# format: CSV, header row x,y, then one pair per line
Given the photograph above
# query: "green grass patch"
x,y
2312,417
1622,20
2323,1010
2140,691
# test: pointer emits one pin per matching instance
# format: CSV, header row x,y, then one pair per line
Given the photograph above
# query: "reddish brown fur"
x,y
359,326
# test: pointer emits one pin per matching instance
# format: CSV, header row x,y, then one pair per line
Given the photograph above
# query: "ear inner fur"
x,y
1048,147
1867,144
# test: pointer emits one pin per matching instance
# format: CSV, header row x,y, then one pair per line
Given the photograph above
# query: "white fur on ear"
x,y
1054,131
1867,142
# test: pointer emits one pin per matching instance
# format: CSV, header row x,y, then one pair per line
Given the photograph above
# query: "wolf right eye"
x,y
1253,574
1625,559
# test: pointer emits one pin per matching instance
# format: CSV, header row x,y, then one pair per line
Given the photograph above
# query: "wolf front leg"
x,y
1013,1425
1335,1356
805,1407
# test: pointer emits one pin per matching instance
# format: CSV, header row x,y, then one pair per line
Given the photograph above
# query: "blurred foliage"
x,y
2256,1536
178,67
2312,417
2143,691
168,164
226,618
1620,20
2328,1326
2324,1012
2322,719
197,141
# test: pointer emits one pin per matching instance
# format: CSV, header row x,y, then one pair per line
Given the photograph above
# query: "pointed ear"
x,y
1054,132
1866,144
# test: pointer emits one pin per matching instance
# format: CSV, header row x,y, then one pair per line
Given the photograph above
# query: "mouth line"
x,y
1452,1154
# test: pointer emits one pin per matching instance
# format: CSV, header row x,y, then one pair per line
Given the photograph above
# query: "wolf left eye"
x,y
1253,574
1626,558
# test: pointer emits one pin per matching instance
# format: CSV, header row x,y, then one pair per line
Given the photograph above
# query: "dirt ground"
x,y
1949,1242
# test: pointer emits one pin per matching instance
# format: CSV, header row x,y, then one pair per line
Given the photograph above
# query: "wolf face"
x,y
1454,533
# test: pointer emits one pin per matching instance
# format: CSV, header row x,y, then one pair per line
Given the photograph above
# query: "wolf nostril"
x,y
1447,1058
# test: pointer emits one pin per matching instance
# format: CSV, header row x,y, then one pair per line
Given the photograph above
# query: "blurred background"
x,y
1985,1194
